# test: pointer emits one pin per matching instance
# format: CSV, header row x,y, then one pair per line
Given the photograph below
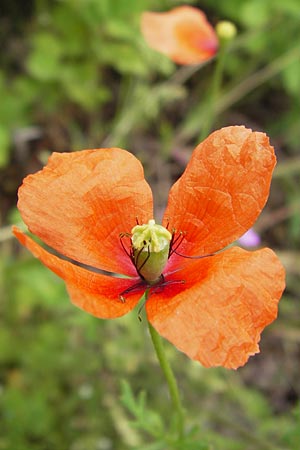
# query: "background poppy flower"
x,y
183,34
81,202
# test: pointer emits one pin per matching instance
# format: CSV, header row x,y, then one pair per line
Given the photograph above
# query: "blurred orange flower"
x,y
212,306
183,34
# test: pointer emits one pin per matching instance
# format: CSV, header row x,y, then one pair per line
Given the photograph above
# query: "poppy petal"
x,y
95,293
81,202
216,317
183,34
222,191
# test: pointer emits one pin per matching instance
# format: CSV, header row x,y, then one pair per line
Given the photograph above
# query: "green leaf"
x,y
122,56
144,418
44,61
136,407
81,84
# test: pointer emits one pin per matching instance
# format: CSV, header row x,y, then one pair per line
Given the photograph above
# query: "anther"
x,y
122,298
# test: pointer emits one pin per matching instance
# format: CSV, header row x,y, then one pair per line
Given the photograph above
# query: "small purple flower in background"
x,y
250,239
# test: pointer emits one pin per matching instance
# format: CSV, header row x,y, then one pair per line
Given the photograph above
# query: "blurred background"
x,y
77,74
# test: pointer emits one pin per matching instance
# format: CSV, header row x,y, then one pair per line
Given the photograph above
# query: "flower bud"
x,y
150,244
226,30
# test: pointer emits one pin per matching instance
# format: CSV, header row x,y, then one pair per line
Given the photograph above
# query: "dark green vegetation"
x,y
77,74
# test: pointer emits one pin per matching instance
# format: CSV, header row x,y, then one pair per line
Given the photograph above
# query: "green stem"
x,y
239,91
214,92
257,79
170,378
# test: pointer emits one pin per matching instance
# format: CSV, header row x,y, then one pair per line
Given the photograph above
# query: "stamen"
x,y
144,251
144,262
166,283
150,244
194,257
121,236
154,243
140,309
131,289
176,242
156,288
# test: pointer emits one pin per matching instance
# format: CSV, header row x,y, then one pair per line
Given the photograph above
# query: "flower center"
x,y
150,250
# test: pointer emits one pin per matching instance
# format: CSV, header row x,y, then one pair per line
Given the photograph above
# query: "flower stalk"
x,y
226,32
169,376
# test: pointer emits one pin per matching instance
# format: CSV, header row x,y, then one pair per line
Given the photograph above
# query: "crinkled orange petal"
x,y
95,293
183,34
222,191
216,317
81,202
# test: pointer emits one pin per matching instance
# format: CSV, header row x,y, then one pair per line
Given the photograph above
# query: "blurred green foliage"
x,y
69,380
270,34
85,65
79,58
72,50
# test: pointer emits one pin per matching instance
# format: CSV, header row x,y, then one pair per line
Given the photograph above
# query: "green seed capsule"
x,y
151,245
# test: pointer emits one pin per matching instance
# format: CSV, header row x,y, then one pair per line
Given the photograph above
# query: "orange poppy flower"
x,y
211,305
183,34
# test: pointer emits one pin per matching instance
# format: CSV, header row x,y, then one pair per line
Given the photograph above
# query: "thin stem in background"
x,y
209,118
258,78
225,100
